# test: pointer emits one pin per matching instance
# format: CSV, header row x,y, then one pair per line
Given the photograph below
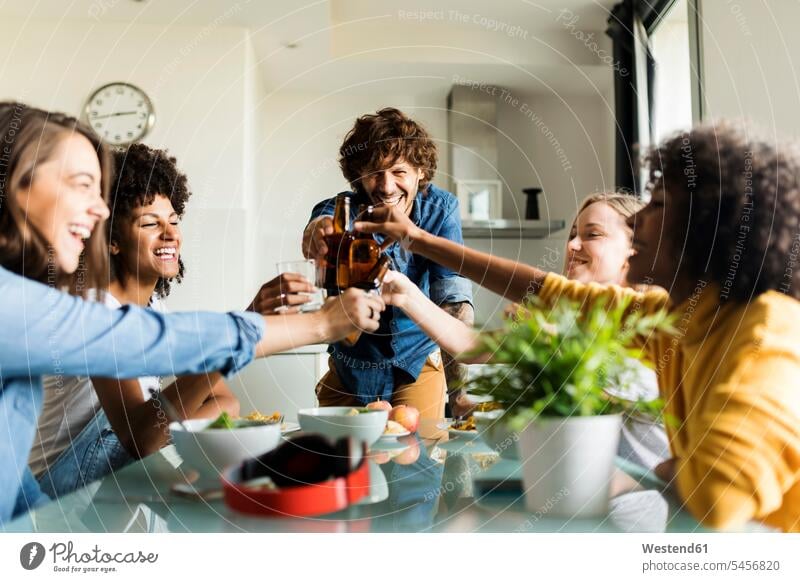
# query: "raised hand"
x,y
393,222
397,289
314,246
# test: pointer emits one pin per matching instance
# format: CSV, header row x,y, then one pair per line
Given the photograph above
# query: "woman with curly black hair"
x,y
92,426
147,181
721,234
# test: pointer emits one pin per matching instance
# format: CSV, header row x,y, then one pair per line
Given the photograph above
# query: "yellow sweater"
x,y
732,380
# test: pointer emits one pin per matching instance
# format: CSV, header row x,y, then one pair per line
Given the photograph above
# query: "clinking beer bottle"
x,y
372,283
364,252
337,271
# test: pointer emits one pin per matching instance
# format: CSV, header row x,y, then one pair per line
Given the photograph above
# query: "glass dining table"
x,y
431,482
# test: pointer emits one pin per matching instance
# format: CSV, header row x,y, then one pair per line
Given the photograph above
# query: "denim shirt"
x,y
395,354
44,331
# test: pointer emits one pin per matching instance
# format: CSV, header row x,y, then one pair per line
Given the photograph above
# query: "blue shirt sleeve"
x,y
445,285
46,331
324,208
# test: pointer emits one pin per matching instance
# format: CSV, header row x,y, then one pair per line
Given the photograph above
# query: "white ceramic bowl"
x,y
210,451
493,430
334,423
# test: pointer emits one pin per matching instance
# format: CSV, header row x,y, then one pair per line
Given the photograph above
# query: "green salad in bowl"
x,y
226,421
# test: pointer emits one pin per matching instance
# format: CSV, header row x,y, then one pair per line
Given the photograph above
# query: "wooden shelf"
x,y
501,228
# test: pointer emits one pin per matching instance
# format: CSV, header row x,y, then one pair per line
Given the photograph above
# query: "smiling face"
x,y
599,246
658,233
64,202
393,185
151,242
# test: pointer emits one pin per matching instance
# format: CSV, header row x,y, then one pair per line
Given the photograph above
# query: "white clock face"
x,y
120,113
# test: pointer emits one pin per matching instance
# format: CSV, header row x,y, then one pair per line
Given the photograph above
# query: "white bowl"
x,y
492,429
210,451
334,423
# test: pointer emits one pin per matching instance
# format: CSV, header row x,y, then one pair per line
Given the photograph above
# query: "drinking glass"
x,y
308,269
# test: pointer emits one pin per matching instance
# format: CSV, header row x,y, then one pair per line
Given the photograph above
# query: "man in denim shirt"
x,y
389,159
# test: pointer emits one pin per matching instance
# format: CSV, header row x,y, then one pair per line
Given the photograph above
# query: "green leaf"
x,y
559,360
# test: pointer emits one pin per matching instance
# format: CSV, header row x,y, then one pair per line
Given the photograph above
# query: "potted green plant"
x,y
553,368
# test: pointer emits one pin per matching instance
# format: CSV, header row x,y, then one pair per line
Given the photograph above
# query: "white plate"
x,y
288,427
393,437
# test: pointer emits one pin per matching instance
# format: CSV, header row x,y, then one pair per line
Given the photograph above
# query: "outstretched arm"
x,y
50,332
452,334
135,418
455,372
513,280
352,310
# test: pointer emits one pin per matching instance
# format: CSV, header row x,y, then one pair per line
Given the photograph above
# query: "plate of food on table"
x,y
466,427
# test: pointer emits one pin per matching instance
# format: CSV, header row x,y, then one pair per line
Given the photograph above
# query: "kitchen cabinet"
x,y
283,382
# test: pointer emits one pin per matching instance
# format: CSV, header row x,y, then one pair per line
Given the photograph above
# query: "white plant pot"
x,y
568,464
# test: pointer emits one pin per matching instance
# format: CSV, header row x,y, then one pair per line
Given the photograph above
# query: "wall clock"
x,y
120,113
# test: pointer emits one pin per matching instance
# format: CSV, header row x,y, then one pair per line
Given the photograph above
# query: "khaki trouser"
x,y
427,394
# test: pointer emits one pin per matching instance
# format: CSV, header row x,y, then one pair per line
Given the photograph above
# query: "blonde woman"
x,y
597,251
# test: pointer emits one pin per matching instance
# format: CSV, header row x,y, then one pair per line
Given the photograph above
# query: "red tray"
x,y
300,501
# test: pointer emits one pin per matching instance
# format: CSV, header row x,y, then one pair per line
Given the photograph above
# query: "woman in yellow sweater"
x,y
722,234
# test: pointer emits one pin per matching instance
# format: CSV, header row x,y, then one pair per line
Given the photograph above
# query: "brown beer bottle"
x,y
337,271
364,251
372,283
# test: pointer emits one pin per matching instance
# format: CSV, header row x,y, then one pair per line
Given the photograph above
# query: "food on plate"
x,y
393,427
380,405
255,418
408,416
258,417
488,406
466,424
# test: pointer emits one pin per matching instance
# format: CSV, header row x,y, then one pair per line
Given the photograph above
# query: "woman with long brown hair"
x,y
53,196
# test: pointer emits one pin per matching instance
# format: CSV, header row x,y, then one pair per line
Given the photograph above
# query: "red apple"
x,y
408,416
379,405
380,457
409,455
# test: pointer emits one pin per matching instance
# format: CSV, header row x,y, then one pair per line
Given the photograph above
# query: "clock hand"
x,y
117,114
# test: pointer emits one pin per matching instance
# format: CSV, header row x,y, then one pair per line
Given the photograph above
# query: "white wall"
x,y
750,57
201,84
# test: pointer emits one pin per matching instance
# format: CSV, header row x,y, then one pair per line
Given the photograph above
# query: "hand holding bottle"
x,y
314,246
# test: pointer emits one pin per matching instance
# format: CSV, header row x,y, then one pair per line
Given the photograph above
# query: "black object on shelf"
x,y
532,203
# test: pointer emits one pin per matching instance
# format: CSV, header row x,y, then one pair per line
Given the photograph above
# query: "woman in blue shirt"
x,y
53,190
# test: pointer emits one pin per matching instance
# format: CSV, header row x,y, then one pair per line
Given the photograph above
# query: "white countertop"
x,y
312,349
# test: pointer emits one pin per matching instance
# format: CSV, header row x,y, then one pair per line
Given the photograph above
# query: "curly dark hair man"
x,y
390,160
142,173
378,140
739,196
